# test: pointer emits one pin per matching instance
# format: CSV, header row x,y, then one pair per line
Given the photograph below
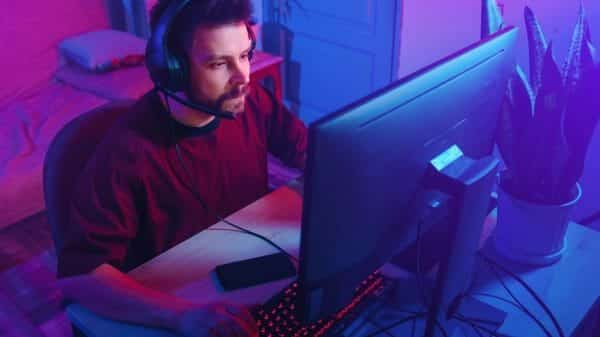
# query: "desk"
x,y
264,65
569,287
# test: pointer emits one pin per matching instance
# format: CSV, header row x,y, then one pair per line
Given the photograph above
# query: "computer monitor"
x,y
367,163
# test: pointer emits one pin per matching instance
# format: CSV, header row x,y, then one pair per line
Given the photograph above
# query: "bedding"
x,y
27,127
103,50
124,83
33,105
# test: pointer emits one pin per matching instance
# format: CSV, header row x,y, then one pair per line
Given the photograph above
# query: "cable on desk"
x,y
394,324
477,327
500,298
387,333
442,329
528,288
521,306
420,284
420,280
590,218
247,231
369,318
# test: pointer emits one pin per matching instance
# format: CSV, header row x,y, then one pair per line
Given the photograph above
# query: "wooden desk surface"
x,y
186,269
569,287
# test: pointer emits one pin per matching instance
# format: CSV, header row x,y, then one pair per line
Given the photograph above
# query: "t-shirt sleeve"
x,y
103,214
286,133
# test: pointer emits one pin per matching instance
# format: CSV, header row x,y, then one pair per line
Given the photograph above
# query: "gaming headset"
x,y
168,69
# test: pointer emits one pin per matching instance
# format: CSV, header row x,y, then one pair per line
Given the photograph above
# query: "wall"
x,y
138,14
432,29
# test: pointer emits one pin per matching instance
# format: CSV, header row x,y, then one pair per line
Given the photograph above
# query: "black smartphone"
x,y
258,270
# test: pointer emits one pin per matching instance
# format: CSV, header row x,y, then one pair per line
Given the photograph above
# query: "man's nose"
x,y
240,73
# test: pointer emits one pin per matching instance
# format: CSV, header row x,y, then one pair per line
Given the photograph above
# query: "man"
x,y
166,171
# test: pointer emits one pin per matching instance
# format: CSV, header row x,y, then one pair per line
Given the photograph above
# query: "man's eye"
x,y
244,56
217,65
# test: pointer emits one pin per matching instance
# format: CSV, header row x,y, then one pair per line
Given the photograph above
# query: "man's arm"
x,y
287,135
93,245
110,293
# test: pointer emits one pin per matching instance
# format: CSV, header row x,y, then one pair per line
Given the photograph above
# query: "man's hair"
x,y
206,13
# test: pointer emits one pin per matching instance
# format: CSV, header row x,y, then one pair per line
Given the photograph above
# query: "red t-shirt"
x,y
134,200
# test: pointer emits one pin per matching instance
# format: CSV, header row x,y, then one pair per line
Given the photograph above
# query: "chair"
x,y
66,157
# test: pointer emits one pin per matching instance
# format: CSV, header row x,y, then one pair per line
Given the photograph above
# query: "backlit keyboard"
x,y
281,320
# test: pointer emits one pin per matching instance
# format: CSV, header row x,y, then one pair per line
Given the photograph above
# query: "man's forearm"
x,y
113,294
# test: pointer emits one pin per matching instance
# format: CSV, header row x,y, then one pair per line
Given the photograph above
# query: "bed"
x,y
40,91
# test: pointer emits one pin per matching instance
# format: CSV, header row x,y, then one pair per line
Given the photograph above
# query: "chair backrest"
x,y
67,155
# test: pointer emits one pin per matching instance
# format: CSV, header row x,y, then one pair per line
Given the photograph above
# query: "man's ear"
x,y
252,37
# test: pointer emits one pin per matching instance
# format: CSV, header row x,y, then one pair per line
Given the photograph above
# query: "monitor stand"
x,y
461,188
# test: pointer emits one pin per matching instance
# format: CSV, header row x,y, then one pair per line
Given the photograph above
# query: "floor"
x,y
30,303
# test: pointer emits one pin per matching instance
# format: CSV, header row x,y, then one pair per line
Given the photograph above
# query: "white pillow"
x,y
104,50
126,83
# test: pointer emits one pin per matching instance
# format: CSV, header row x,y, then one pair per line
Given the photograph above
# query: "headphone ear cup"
x,y
252,39
252,48
177,73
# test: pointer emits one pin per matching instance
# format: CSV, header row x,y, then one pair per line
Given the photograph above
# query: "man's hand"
x,y
217,320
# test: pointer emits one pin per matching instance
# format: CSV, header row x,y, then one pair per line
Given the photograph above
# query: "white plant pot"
x,y
531,233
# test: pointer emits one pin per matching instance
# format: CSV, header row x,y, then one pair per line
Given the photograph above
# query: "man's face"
x,y
220,67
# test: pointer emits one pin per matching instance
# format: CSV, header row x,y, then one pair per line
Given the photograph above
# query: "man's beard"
x,y
219,103
236,93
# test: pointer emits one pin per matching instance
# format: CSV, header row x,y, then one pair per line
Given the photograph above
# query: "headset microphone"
x,y
196,105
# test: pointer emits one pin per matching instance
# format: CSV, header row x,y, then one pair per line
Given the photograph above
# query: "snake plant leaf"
x,y
491,19
572,67
505,138
515,118
537,48
545,143
587,37
581,118
587,34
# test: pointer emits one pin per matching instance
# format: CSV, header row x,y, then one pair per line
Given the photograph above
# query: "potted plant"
x,y
545,127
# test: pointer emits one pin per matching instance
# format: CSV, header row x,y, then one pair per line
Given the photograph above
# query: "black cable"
x,y
377,325
590,218
260,236
393,325
480,320
422,292
477,327
530,290
474,327
442,329
523,308
420,280
500,298
198,197
381,303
